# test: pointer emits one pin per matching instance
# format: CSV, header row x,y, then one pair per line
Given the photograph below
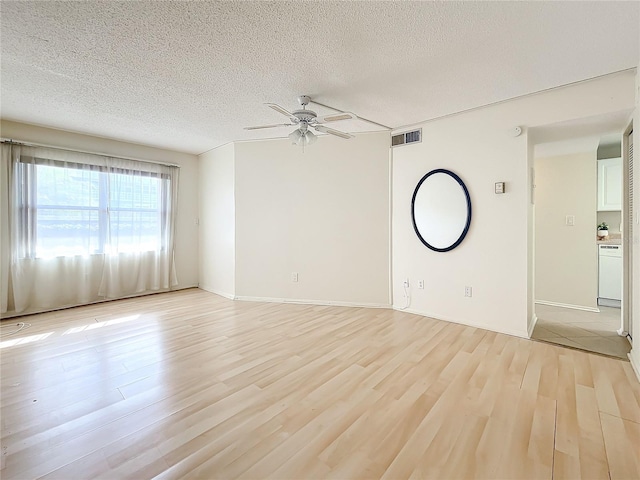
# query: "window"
x,y
82,209
79,227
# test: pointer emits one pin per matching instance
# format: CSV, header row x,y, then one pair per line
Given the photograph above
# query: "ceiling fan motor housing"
x,y
305,115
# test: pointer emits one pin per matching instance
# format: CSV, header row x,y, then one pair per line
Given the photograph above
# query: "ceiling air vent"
x,y
407,137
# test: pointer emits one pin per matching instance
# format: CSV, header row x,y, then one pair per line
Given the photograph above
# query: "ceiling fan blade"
x,y
334,117
270,126
280,109
331,131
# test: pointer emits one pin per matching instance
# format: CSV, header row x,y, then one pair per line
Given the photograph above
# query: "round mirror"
x,y
441,210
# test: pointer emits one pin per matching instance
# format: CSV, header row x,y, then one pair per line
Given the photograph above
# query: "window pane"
x,y
67,187
67,220
63,232
135,213
134,231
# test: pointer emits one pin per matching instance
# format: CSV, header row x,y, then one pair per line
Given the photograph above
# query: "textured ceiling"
x,y
189,75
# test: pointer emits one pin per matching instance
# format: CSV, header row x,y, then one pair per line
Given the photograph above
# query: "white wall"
x,y
186,258
566,264
496,257
217,220
323,213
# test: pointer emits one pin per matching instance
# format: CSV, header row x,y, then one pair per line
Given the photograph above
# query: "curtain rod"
x,y
11,141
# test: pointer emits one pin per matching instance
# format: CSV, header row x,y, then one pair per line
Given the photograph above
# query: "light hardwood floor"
x,y
191,385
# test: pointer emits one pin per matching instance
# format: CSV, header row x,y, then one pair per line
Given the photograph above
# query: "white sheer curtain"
x,y
77,228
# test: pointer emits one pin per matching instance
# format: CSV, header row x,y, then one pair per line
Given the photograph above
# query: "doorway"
x,y
577,303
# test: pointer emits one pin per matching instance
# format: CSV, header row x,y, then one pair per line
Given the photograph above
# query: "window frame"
x,y
27,188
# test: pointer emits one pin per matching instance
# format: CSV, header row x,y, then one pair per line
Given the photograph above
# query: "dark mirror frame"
x,y
468,198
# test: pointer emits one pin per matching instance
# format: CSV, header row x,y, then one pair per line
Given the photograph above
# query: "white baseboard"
x,y
532,325
491,328
568,305
230,296
13,314
303,301
635,362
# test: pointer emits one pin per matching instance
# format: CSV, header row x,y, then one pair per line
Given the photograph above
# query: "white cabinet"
x,y
610,184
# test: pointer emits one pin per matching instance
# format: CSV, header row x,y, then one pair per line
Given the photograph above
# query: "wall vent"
x,y
414,136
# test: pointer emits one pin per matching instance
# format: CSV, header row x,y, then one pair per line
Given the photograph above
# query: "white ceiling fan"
x,y
305,119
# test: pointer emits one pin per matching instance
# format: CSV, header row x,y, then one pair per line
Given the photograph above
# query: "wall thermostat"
x,y
499,187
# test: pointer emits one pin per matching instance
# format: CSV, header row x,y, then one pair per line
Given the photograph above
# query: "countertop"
x,y
611,239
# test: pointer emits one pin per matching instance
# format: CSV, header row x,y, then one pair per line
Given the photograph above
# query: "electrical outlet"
x,y
421,284
406,283
467,291
294,277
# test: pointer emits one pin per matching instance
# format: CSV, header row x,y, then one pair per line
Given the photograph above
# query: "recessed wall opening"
x,y
579,234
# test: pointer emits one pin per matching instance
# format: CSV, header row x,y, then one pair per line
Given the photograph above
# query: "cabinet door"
x,y
610,184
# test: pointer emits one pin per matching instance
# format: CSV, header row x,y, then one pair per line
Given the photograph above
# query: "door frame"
x,y
627,241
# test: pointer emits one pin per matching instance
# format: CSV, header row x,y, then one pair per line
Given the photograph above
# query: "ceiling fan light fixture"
x,y
302,138
309,138
295,136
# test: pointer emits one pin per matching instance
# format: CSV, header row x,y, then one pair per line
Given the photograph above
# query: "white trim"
x,y
13,314
230,296
532,325
390,226
568,305
635,363
303,301
622,332
482,326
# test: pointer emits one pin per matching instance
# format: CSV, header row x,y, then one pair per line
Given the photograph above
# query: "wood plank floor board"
x,y
30,428
74,440
89,466
309,453
622,438
263,420
73,390
370,426
192,385
591,447
616,395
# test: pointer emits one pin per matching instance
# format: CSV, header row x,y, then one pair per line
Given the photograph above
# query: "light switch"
x,y
499,187
570,220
